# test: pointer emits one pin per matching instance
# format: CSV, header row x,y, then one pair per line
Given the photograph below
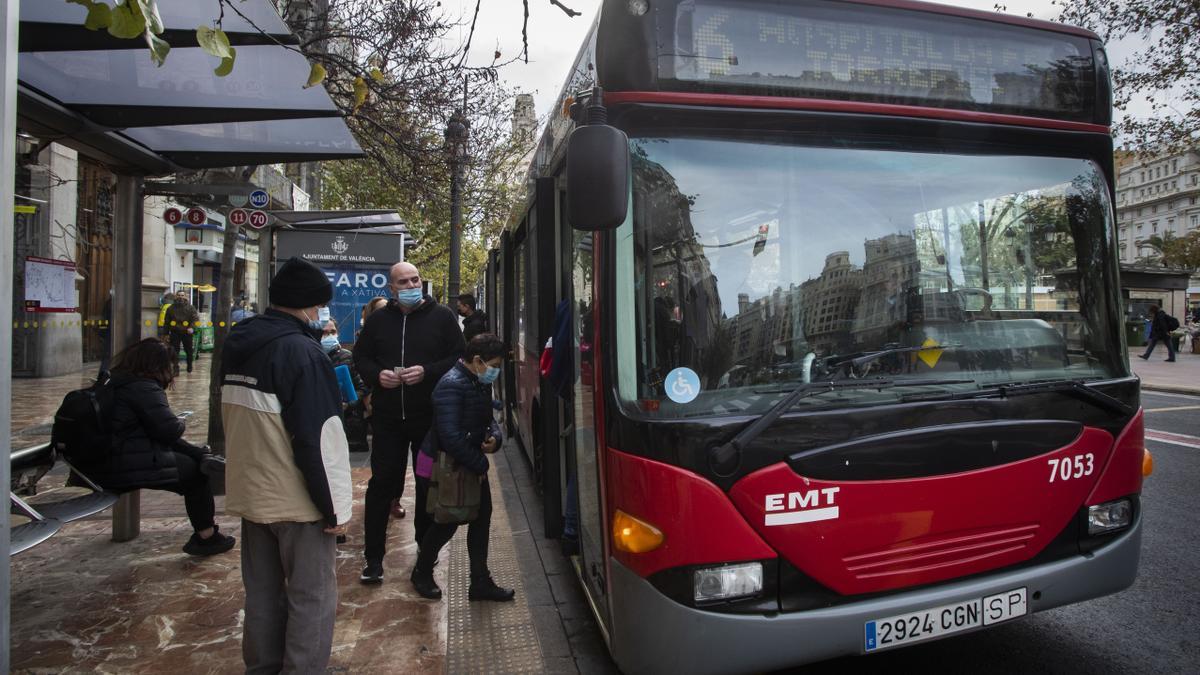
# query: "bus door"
x,y
586,464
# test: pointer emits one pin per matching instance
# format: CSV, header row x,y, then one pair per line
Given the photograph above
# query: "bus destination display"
x,y
858,52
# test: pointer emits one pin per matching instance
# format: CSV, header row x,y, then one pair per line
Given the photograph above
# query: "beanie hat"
x,y
299,284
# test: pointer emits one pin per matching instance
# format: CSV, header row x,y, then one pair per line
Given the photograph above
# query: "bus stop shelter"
x,y
104,97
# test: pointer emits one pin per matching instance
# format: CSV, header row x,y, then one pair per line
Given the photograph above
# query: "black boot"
x,y
424,584
483,588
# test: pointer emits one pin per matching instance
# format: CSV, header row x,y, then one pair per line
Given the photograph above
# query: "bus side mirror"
x,y
597,177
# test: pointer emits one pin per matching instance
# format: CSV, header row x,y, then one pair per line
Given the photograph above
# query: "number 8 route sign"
x,y
258,219
238,217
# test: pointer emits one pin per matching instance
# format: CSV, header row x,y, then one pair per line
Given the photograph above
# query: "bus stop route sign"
x,y
196,216
259,199
258,219
173,216
238,217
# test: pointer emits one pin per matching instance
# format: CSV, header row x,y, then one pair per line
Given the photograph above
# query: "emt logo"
x,y
801,507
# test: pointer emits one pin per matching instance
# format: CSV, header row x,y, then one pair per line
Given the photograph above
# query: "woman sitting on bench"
x,y
148,449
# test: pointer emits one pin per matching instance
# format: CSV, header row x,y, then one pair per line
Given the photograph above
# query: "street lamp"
x,y
457,130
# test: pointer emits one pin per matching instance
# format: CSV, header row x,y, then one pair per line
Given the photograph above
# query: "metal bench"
x,y
37,517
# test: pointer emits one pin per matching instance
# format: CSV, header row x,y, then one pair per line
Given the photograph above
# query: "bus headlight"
x,y
727,582
1109,516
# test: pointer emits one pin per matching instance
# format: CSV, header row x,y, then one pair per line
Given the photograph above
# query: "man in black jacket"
x,y
402,352
1160,331
474,321
287,473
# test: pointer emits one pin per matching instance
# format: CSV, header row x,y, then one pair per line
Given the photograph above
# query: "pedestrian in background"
x,y
181,321
464,429
288,473
474,321
403,350
352,415
1160,331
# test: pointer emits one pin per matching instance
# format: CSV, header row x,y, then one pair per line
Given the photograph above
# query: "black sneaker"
x,y
425,586
217,543
372,573
483,588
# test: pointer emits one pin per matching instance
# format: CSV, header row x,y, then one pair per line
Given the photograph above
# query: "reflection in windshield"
x,y
753,264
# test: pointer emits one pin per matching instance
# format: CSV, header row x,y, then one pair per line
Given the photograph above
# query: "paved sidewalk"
x,y
81,603
1182,376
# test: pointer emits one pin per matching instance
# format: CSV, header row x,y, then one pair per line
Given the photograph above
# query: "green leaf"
x,y
99,16
360,92
377,75
153,20
226,65
158,48
127,21
214,41
315,76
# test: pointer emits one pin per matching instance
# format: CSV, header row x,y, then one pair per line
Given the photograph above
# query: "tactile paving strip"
x,y
489,637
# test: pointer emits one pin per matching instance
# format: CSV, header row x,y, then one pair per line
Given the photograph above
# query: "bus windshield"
x,y
753,265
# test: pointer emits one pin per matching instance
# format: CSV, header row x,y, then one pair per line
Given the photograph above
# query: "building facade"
x,y
1156,196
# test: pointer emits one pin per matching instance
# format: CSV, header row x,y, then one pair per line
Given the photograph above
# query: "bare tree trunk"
x,y
220,321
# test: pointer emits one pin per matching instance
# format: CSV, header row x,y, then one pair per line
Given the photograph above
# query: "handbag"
x,y
454,492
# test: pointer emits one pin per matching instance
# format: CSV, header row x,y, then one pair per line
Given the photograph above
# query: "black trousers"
x,y
395,440
193,485
188,342
477,537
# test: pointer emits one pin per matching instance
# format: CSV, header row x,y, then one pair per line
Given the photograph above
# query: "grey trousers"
x,y
291,597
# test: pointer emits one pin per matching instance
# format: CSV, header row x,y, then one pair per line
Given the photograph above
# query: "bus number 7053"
x,y
1066,468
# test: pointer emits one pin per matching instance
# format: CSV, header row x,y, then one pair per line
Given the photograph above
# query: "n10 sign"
x,y
353,288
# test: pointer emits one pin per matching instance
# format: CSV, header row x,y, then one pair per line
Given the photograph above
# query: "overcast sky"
x,y
555,38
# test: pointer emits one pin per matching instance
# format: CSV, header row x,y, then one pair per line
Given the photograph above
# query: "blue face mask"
x,y
329,342
489,376
410,297
322,318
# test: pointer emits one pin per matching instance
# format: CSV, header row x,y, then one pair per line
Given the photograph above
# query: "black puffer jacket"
x,y
143,432
462,418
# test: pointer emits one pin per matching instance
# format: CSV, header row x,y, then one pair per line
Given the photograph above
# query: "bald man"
x,y
402,352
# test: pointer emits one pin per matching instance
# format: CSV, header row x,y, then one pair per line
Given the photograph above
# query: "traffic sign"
x,y
238,217
196,216
259,199
258,219
173,216
238,200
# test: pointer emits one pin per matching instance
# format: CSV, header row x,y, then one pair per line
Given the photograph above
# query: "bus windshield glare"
x,y
750,266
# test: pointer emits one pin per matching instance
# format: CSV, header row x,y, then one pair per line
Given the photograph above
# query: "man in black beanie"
x,y
287,472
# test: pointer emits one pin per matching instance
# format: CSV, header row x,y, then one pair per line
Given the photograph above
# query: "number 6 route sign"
x,y
258,219
173,216
238,217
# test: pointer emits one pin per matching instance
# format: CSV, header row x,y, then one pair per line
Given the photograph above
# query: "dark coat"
x,y
462,419
428,336
181,313
1158,326
144,430
474,325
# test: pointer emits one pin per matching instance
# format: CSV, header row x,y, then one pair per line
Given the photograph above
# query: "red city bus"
x,y
839,364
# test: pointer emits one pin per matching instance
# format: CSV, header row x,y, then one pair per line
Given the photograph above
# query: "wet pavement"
x,y
82,603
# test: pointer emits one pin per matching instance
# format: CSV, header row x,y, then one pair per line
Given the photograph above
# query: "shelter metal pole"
x,y
126,320
266,256
9,10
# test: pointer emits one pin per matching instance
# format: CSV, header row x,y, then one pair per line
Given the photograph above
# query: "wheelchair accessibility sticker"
x,y
682,385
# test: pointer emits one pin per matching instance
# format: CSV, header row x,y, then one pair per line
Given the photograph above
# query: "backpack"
x,y
82,429
1172,323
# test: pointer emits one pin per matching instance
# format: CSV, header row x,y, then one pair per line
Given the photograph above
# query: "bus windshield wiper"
x,y
731,449
1076,388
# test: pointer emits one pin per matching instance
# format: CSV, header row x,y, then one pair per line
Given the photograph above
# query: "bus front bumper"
x,y
654,634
